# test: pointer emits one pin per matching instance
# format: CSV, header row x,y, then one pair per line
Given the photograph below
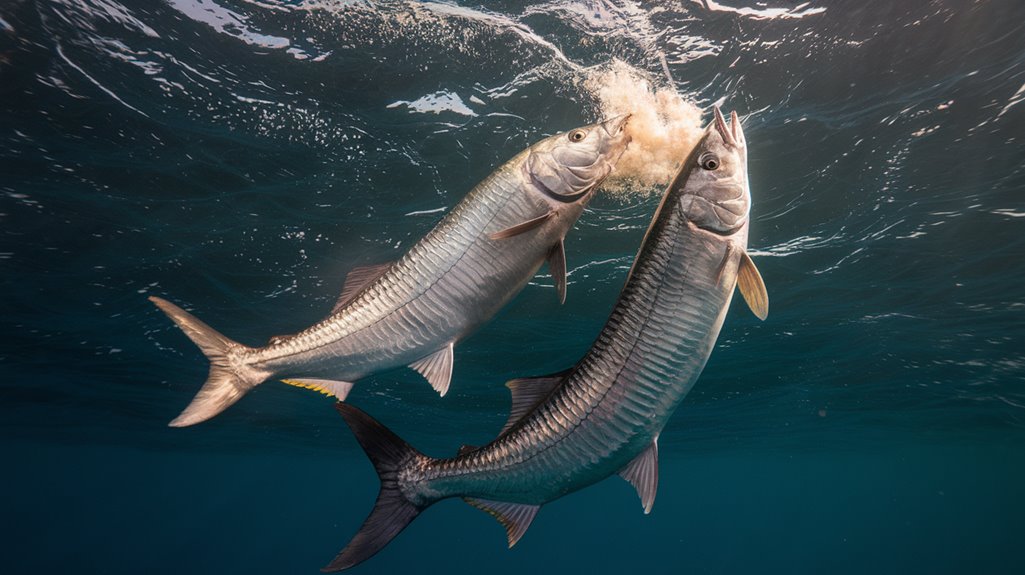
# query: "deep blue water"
x,y
240,157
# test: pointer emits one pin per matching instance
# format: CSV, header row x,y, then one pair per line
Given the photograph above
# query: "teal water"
x,y
241,157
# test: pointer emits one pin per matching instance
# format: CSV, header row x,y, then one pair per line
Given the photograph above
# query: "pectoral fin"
x,y
521,228
515,517
437,368
751,286
357,280
731,248
329,387
557,267
527,393
642,473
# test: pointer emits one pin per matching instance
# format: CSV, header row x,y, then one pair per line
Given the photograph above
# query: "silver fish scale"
x,y
433,294
616,401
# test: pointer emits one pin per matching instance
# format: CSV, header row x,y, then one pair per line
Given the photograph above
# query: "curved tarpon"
x,y
413,311
569,430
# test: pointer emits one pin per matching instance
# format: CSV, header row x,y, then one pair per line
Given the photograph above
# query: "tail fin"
x,y
392,512
226,383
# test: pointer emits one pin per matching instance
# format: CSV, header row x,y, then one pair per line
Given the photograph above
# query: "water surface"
x,y
240,157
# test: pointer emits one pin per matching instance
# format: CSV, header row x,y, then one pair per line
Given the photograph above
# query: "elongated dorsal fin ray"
x,y
436,368
557,267
329,387
522,228
527,393
515,517
642,473
751,286
357,280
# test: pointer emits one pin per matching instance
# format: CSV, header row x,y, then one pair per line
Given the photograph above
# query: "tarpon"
x,y
568,430
414,310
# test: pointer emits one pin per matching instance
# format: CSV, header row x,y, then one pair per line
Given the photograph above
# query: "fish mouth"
x,y
614,125
618,139
732,134
612,150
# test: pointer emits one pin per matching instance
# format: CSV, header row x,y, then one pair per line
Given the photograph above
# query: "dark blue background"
x,y
239,158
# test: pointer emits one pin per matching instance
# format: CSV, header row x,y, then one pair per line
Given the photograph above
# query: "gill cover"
x,y
572,164
716,195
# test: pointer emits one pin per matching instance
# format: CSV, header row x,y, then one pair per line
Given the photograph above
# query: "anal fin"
x,y
528,392
515,517
329,387
436,368
642,473
523,227
752,287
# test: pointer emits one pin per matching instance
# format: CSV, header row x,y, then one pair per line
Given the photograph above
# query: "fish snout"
x,y
615,125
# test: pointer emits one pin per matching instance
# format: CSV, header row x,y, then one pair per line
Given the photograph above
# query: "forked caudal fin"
x,y
392,512
226,382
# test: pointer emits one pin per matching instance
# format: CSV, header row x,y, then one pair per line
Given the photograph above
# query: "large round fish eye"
x,y
577,135
709,161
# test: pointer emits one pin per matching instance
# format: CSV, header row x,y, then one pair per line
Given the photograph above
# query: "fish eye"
x,y
577,135
709,161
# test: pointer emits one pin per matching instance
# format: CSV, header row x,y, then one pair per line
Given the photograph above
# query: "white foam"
x,y
664,127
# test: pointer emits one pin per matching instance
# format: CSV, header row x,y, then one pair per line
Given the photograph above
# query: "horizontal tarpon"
x,y
602,417
414,310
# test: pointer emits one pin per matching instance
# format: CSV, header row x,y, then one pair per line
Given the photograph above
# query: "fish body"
x,y
603,416
414,310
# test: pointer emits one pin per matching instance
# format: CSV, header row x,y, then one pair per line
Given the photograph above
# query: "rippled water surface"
x,y
240,156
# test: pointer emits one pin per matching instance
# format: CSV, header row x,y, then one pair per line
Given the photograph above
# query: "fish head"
x,y
712,185
567,167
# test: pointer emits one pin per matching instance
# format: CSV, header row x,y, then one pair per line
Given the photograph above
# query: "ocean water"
x,y
239,157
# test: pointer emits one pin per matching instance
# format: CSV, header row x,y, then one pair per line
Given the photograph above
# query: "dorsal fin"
x,y
528,392
276,339
437,368
642,473
515,517
357,280
752,287
464,449
557,267
522,227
